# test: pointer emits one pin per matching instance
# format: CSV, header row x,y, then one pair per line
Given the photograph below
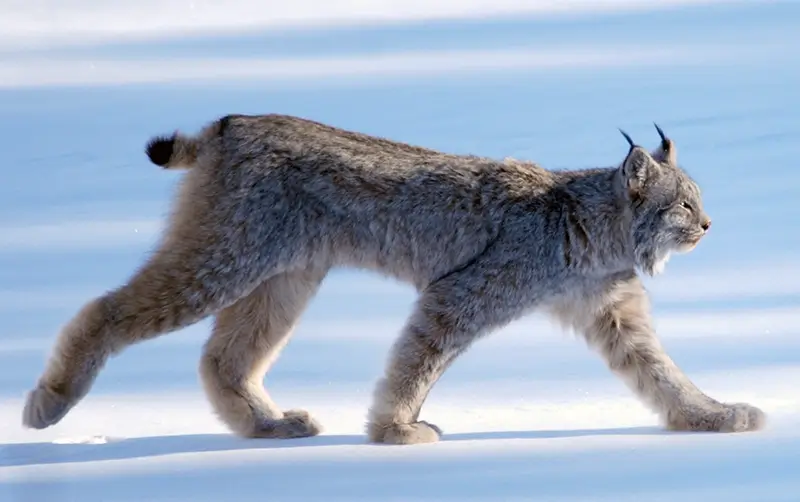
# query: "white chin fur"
x,y
661,264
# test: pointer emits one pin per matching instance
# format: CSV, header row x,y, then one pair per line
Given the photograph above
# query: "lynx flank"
x,y
271,203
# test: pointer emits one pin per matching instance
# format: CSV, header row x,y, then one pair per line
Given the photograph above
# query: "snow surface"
x,y
529,413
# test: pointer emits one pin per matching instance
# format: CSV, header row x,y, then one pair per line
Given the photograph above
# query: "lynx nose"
x,y
706,225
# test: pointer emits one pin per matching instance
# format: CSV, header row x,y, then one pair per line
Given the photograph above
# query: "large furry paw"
x,y
737,417
294,424
414,433
44,407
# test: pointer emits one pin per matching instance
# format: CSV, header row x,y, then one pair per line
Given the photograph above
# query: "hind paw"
x,y
413,433
294,424
44,407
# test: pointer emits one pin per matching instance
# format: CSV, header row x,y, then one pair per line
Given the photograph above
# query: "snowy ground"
x,y
80,206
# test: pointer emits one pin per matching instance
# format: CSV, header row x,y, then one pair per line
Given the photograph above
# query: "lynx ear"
x,y
637,167
666,151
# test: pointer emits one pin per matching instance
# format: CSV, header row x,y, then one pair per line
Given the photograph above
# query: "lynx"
x,y
270,203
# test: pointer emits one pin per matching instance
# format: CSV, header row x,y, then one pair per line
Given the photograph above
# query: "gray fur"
x,y
271,203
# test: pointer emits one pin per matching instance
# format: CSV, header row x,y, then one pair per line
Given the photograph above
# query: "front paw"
x,y
413,433
737,417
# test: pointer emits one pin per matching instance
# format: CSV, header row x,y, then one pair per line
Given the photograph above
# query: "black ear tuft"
x,y
628,138
666,151
666,144
159,149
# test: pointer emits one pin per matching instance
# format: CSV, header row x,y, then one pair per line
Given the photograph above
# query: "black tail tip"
x,y
159,149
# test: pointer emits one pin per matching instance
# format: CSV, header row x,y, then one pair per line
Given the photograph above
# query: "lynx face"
x,y
668,214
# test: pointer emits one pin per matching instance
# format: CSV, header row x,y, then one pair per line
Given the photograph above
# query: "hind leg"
x,y
163,296
187,279
80,353
248,336
220,244
142,309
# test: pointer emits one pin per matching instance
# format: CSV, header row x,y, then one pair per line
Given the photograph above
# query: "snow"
x,y
529,413
94,72
48,22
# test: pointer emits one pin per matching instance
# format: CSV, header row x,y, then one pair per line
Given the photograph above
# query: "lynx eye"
x,y
687,206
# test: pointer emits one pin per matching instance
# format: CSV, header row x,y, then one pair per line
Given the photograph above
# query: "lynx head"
x,y
667,208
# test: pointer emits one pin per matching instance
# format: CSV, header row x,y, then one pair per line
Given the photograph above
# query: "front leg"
x,y
418,358
449,316
619,326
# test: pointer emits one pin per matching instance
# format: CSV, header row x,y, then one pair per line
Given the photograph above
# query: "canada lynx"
x,y
271,203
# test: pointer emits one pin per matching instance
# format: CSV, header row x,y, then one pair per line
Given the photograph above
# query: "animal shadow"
x,y
21,454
